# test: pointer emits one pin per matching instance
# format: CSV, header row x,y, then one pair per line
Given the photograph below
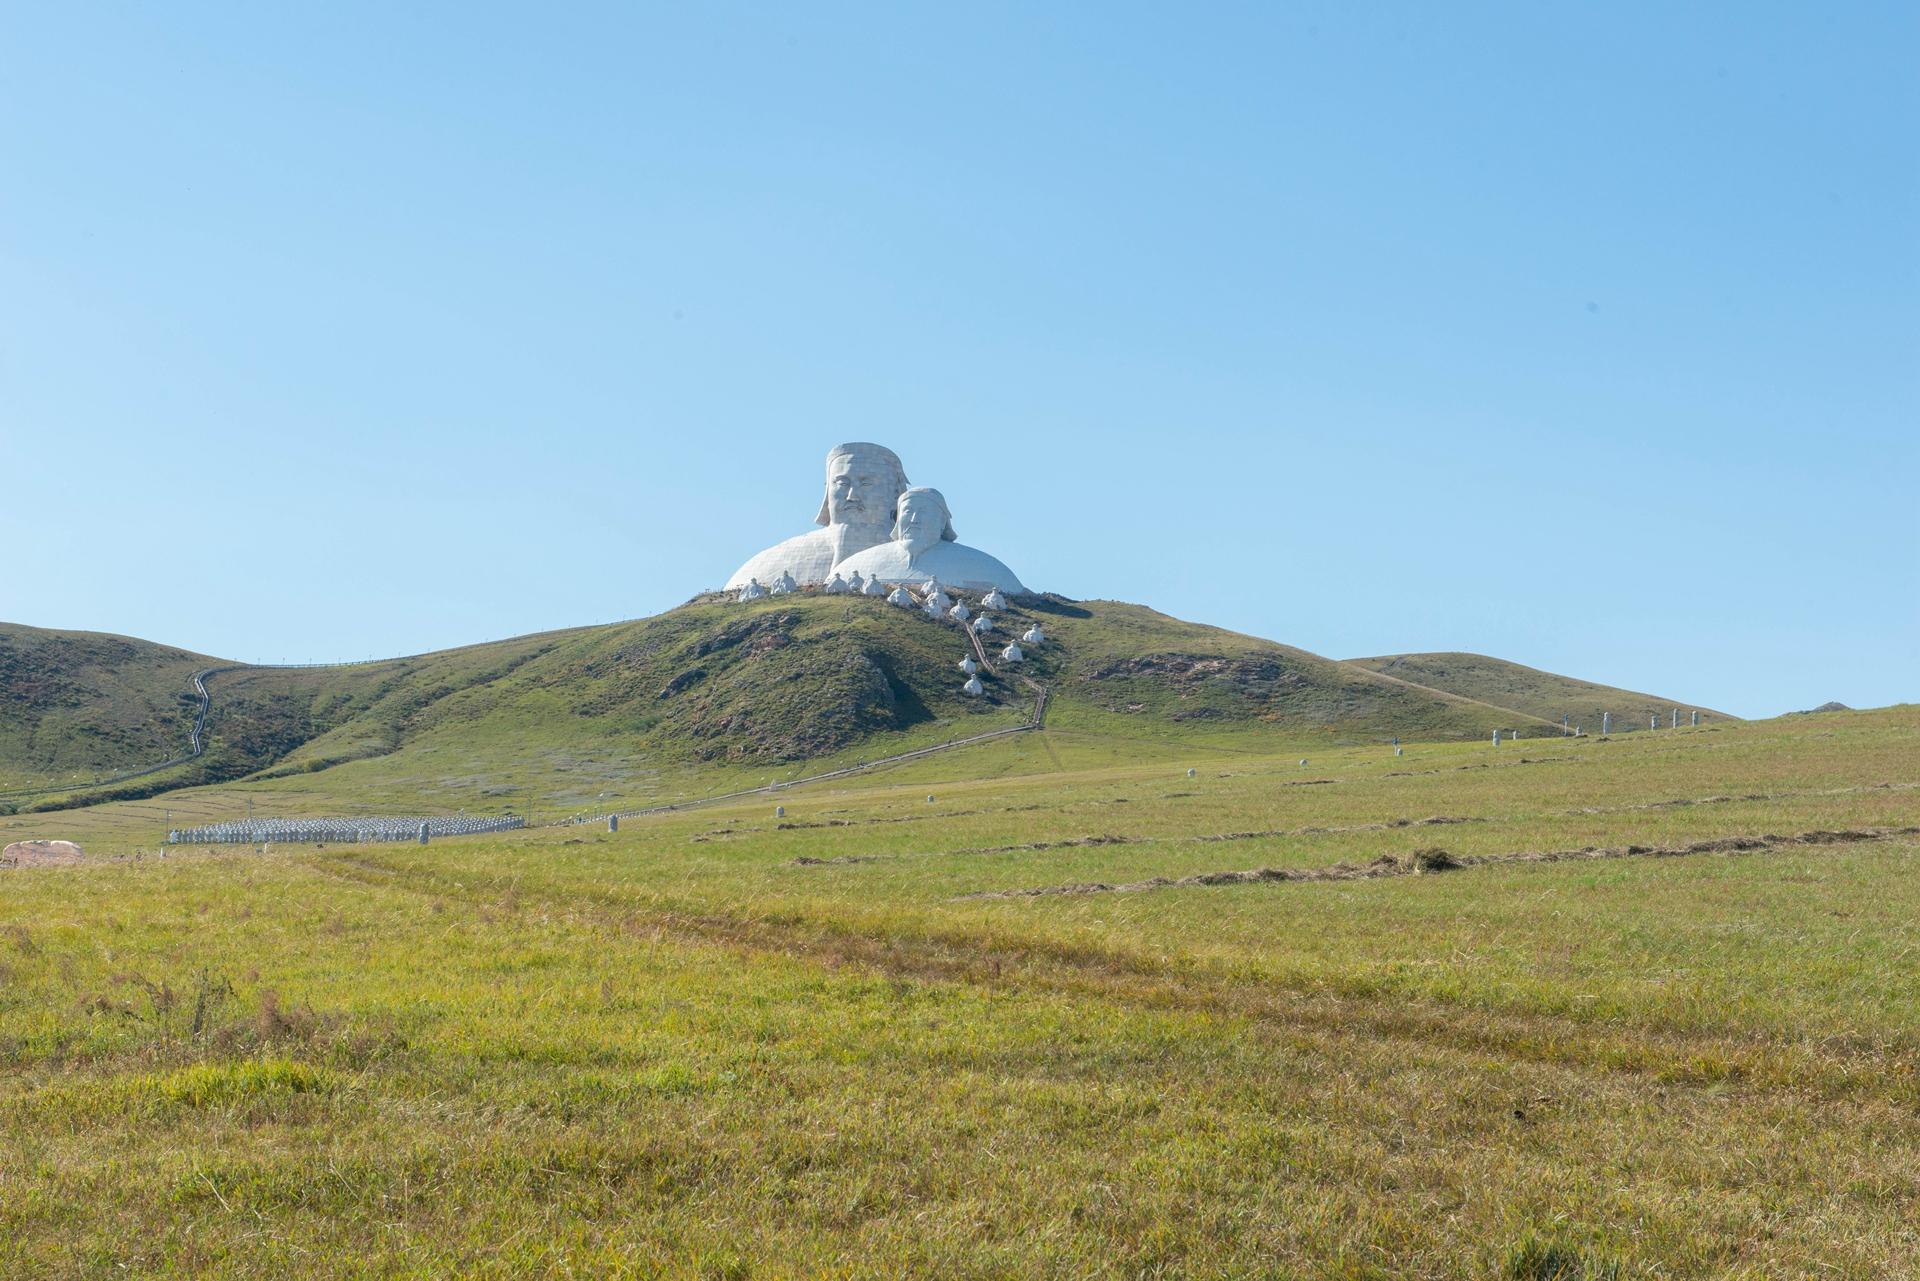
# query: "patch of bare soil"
x,y
1439,860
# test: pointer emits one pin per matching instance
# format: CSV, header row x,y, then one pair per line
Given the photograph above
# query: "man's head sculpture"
x,y
864,481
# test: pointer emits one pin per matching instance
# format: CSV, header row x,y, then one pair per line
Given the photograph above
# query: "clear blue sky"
x,y
1585,338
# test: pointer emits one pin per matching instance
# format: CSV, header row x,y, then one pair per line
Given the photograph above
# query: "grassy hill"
x,y
76,705
1536,693
716,694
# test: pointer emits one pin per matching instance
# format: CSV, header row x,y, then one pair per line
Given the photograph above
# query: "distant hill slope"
x,y
85,703
1529,690
714,683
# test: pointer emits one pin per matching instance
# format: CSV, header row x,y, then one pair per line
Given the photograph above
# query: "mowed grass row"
x,y
674,1050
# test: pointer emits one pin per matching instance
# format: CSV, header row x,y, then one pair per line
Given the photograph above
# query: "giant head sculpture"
x,y
863,482
921,548
922,520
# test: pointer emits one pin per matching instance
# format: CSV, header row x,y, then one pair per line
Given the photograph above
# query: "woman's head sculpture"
x,y
922,520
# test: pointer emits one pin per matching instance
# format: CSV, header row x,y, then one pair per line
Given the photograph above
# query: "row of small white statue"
x,y
755,590
935,599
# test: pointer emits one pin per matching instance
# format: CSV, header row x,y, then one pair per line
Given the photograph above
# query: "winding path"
x,y
195,746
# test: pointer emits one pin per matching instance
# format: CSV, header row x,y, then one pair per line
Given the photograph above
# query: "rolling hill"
x,y
74,705
711,693
1536,693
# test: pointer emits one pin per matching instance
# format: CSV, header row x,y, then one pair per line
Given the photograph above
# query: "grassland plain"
x,y
724,1043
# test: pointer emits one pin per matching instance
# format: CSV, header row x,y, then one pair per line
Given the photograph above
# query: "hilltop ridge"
x,y
713,685
1545,695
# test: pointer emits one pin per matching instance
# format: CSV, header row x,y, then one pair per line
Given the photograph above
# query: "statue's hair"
x,y
885,455
946,514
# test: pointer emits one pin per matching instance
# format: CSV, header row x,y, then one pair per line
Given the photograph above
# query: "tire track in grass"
x,y
1438,860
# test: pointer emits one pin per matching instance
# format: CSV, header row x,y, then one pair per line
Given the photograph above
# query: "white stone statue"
x,y
873,588
783,584
982,625
994,599
1012,653
968,666
836,586
936,598
923,547
863,483
1034,636
753,590
973,686
898,596
856,586
960,613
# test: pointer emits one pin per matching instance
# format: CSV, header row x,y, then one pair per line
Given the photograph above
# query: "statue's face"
x,y
921,519
860,490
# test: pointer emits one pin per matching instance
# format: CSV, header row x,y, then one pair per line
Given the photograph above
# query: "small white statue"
x,y
973,687
995,599
753,590
933,611
968,666
936,598
856,586
900,596
982,625
960,613
873,588
1034,636
836,586
1012,653
783,584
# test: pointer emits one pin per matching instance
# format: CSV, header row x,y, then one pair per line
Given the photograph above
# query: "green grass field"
x,y
720,1043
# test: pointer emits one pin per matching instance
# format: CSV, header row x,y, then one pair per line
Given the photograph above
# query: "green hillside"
x,y
78,705
716,693
1536,693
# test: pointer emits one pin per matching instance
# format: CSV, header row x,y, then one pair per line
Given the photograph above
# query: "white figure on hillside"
x,y
1012,653
923,546
968,666
982,625
994,599
973,687
934,596
753,590
960,613
856,586
863,483
1034,636
899,596
836,586
873,588
783,584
